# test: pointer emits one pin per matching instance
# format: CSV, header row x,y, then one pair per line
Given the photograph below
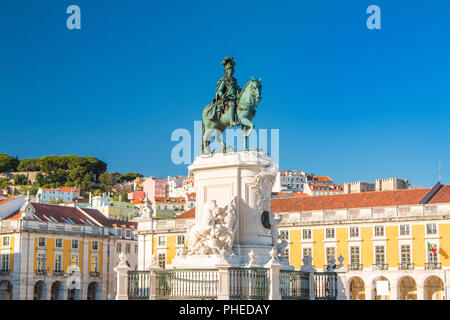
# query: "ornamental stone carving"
x,y
214,231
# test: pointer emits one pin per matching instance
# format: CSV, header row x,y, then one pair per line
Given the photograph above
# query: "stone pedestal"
x,y
246,176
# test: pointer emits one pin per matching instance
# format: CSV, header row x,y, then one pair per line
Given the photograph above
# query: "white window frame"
x,y
160,244
39,242
326,233
432,234
353,236
309,231
400,230
375,235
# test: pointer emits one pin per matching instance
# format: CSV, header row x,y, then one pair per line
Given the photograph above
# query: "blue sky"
x,y
351,103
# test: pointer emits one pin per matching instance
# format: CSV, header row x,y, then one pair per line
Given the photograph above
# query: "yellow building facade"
x,y
43,250
394,244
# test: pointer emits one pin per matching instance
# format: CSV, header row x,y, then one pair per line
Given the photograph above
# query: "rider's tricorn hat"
x,y
228,63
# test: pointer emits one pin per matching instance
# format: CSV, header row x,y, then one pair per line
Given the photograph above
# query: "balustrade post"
x,y
122,278
341,275
223,289
274,279
312,288
153,292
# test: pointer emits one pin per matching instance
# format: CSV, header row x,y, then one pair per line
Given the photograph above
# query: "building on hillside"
x,y
188,185
155,187
175,186
44,247
312,178
190,200
118,210
136,195
177,205
289,181
379,185
63,194
399,236
322,189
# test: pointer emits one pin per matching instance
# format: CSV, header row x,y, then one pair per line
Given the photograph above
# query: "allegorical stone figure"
x,y
227,90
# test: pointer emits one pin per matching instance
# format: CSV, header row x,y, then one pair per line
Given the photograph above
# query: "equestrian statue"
x,y
231,107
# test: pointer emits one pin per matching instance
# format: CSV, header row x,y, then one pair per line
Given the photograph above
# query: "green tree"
x,y
29,165
86,184
106,181
129,176
40,179
8,163
4,183
120,193
20,179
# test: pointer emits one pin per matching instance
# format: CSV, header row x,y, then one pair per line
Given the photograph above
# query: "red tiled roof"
x,y
300,194
63,189
170,199
46,211
187,215
102,219
352,200
442,196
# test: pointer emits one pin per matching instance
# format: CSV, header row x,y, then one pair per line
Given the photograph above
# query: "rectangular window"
x,y
119,247
180,240
331,253
284,234
127,248
5,241
74,260
128,233
58,263
58,243
161,241
329,233
379,255
354,232
354,256
405,254
94,264
432,258
307,252
162,260
379,231
40,267
136,249
4,263
74,244
404,230
431,228
307,234
94,245
41,242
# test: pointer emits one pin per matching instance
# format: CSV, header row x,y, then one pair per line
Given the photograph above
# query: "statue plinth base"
x,y
246,176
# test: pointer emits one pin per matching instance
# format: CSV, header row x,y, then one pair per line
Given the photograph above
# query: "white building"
x,y
64,194
290,181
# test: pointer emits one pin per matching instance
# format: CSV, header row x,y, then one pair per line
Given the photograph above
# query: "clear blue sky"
x,y
351,103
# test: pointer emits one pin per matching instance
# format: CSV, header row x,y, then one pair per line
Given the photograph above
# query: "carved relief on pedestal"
x,y
214,231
